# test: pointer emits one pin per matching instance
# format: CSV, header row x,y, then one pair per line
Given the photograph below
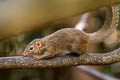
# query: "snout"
x,y
26,53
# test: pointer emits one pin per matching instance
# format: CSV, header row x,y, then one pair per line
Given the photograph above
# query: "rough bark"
x,y
60,61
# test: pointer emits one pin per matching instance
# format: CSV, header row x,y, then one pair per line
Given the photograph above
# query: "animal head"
x,y
33,48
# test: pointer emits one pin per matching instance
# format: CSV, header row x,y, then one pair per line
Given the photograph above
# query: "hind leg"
x,y
80,48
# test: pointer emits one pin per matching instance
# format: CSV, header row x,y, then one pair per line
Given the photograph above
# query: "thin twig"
x,y
95,73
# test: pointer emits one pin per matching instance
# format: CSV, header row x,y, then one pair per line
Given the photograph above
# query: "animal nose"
x,y
25,54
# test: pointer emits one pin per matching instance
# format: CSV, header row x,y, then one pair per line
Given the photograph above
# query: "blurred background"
x,y
17,14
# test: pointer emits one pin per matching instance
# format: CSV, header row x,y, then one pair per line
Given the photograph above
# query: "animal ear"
x,y
38,43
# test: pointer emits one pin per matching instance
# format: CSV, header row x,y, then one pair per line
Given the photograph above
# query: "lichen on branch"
x,y
60,61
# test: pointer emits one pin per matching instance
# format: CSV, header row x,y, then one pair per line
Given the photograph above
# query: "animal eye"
x,y
31,48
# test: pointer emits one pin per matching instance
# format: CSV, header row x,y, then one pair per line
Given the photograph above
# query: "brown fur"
x,y
71,39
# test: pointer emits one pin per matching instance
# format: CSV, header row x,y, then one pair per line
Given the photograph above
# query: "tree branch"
x,y
21,16
94,73
60,61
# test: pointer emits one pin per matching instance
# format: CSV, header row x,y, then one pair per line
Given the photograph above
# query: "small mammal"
x,y
71,39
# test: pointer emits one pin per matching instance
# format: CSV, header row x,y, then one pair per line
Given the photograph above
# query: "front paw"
x,y
37,58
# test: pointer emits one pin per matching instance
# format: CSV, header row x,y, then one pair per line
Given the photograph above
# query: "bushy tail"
x,y
111,23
